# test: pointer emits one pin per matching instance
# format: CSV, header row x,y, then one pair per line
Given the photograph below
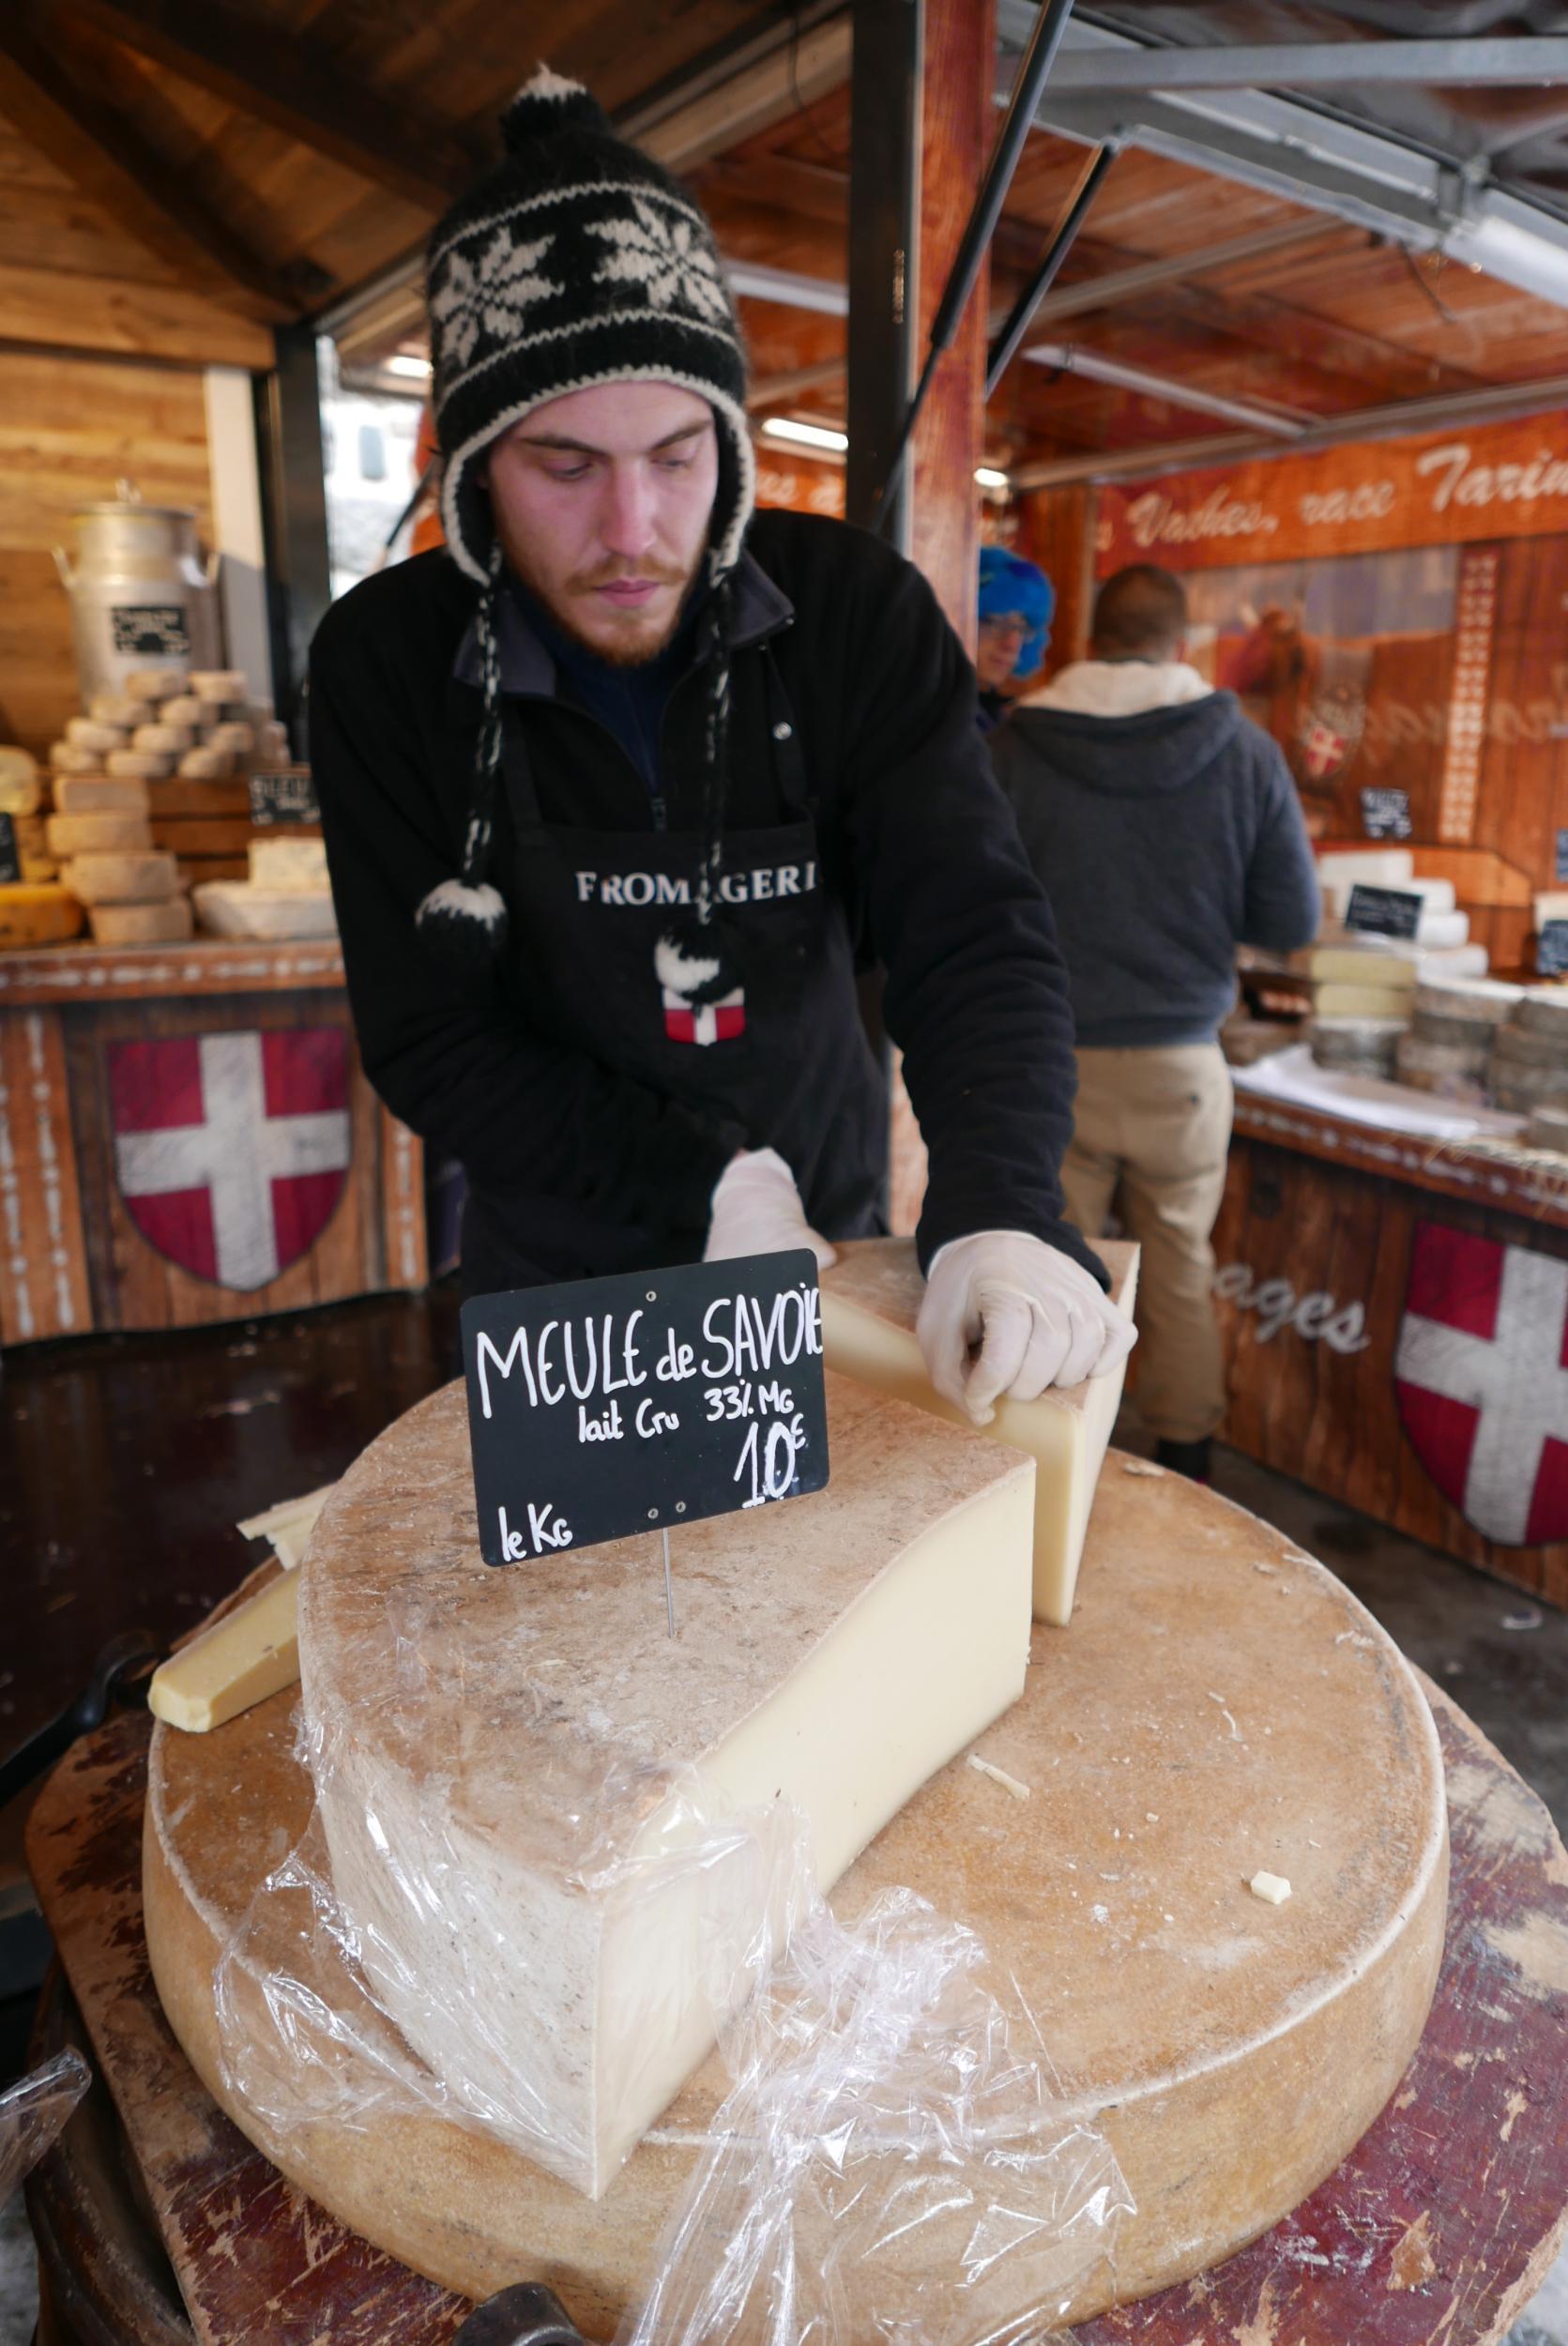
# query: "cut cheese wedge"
x,y
1372,1000
288,1525
528,1789
870,1300
251,1653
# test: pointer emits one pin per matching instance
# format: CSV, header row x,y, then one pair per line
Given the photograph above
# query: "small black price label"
x,y
11,862
1384,911
643,1402
154,630
287,795
1386,814
1551,949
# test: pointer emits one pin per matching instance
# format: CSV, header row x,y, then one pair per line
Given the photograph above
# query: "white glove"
x,y
1005,1314
756,1210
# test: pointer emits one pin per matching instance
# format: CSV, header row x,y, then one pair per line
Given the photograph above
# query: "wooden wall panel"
x,y
1055,529
69,428
1326,1411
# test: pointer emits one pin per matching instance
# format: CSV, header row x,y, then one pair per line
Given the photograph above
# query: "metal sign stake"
x,y
669,1585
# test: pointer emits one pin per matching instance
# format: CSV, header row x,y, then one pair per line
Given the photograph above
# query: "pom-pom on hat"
x,y
577,260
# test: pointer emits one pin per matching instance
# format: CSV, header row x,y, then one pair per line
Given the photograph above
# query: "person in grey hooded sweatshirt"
x,y
1165,831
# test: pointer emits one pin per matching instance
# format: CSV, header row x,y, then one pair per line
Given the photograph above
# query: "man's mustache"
x,y
615,573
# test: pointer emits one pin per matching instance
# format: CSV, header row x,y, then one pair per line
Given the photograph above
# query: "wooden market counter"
x,y
187,1136
1395,1320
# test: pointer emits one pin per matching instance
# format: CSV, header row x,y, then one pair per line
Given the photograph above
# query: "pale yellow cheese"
x,y
250,1654
870,1300
288,1525
20,792
292,867
1380,1000
122,879
99,793
170,921
98,834
1361,966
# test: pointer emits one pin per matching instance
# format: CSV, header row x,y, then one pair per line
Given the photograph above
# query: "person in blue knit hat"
x,y
1016,604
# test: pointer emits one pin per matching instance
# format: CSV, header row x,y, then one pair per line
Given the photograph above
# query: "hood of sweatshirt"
x,y
1151,754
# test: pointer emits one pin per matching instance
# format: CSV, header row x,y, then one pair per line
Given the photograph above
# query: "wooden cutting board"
x,y
1220,1705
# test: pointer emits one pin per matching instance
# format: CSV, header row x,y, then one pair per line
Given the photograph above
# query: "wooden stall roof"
x,y
177,176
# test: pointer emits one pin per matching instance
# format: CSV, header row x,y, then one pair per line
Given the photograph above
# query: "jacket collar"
x,y
758,609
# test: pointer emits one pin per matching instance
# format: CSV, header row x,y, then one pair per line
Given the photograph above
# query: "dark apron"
x,y
789,1060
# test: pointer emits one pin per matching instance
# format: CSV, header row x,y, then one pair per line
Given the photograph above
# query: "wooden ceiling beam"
x,y
108,161
295,83
111,317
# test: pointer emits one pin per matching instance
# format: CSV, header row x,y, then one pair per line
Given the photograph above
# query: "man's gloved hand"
x,y
1030,1315
756,1210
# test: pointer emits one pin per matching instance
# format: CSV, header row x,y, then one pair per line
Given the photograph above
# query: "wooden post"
x,y
294,505
958,132
884,237
1055,529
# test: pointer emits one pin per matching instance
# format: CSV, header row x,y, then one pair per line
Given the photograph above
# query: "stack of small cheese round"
x,y
1529,1066
1451,1028
34,910
163,725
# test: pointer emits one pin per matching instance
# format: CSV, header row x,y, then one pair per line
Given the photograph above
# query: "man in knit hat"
x,y
618,787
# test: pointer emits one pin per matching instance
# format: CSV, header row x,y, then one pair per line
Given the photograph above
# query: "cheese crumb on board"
x,y
1272,1888
1000,1776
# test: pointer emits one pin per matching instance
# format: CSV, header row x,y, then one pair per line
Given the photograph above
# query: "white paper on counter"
x,y
1294,1075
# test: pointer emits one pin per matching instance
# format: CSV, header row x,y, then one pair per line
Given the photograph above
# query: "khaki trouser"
x,y
1151,1129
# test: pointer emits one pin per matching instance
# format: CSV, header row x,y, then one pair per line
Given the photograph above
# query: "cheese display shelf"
x,y
1394,1312
189,1136
1220,1707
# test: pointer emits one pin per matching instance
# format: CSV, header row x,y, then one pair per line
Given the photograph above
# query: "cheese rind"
x,y
122,879
36,914
525,1755
167,923
870,1301
253,1652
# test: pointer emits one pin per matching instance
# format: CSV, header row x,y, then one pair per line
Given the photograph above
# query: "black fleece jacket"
x,y
916,839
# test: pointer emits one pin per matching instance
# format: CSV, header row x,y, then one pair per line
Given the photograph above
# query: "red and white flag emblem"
x,y
1322,749
1481,1377
713,1022
231,1149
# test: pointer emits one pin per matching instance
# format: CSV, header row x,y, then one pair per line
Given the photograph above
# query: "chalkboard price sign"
x,y
10,862
642,1403
1551,949
1384,911
151,629
286,796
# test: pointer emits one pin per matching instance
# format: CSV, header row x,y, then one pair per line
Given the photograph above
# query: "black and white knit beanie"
x,y
576,261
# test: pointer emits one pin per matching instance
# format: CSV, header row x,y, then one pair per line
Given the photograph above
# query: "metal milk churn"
x,y
143,594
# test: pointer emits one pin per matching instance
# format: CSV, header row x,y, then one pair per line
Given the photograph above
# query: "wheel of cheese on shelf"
x,y
169,922
138,765
218,684
117,709
205,764
99,793
21,791
186,708
122,879
96,834
153,684
870,1300
87,734
38,913
69,757
289,866
239,738
164,739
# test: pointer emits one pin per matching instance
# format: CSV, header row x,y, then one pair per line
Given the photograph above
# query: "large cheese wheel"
x,y
186,708
122,879
21,791
96,834
561,1759
234,737
116,708
33,914
207,763
99,793
167,924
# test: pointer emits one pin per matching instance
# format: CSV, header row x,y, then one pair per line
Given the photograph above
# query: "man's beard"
x,y
632,641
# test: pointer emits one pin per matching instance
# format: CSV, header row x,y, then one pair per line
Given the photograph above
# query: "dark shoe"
x,y
1190,1458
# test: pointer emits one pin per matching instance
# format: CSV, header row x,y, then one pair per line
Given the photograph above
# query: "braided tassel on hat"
x,y
464,920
